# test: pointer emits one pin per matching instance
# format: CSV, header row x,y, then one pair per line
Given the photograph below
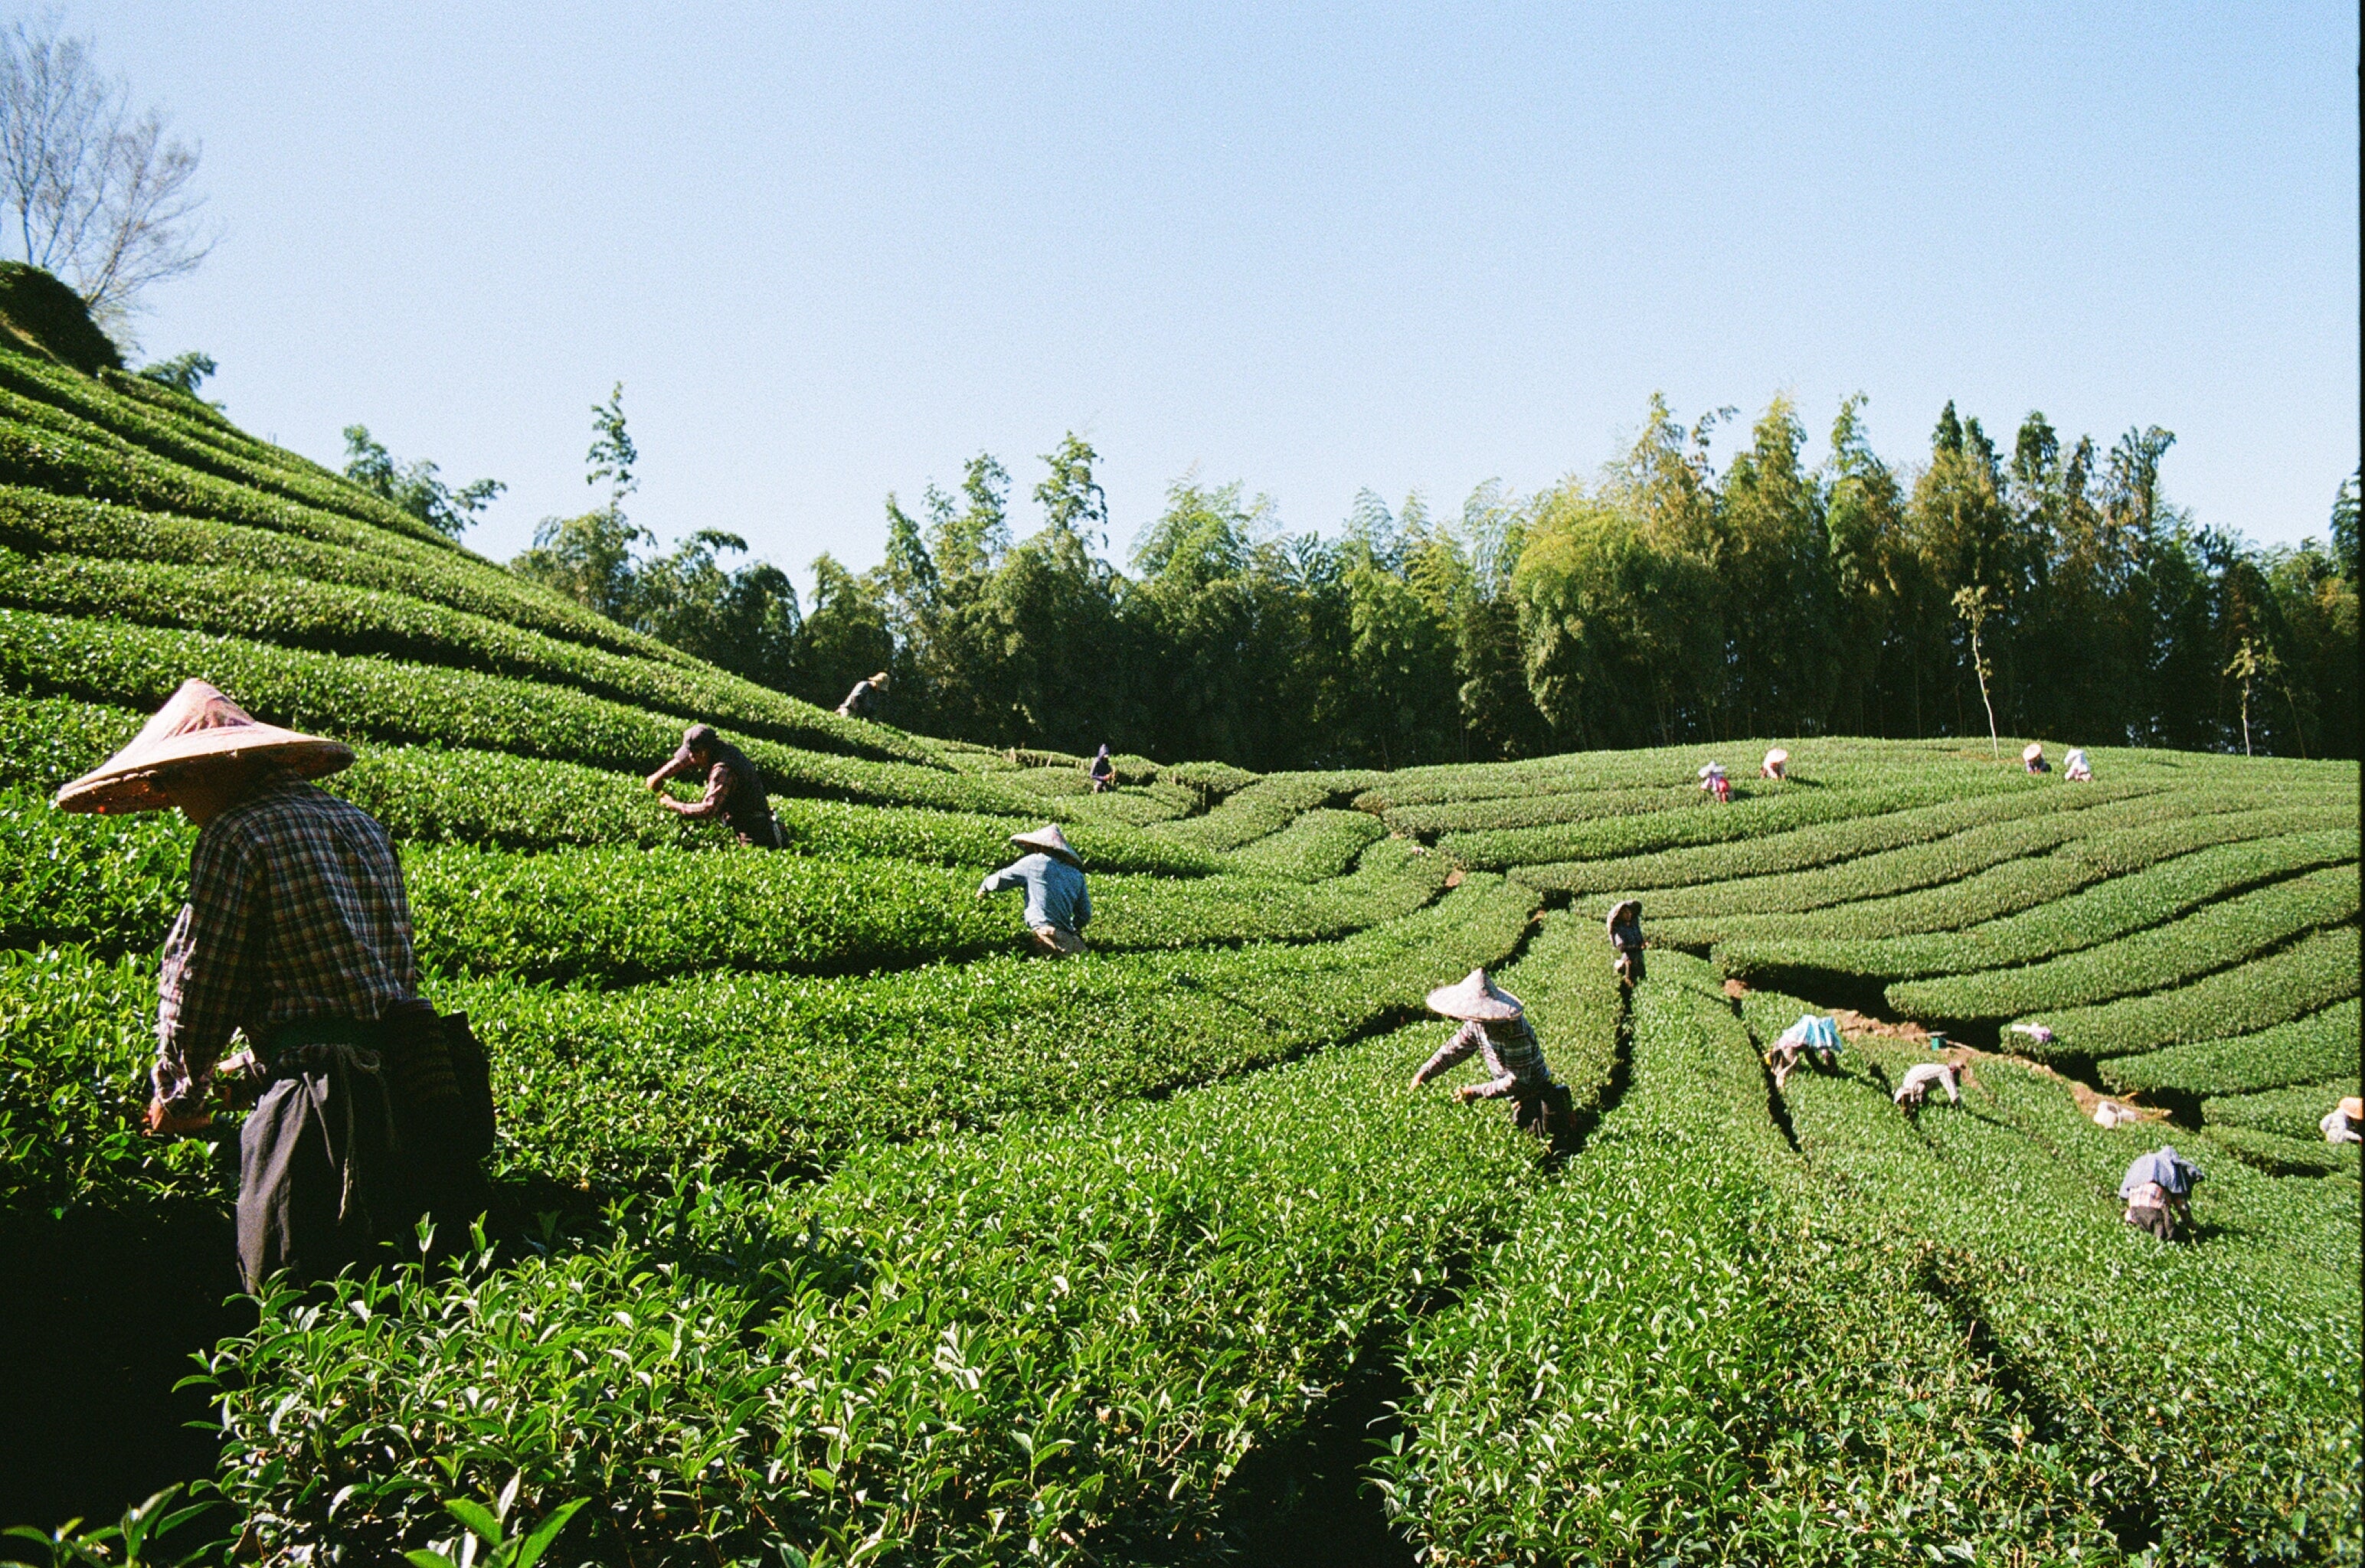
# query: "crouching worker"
x,y
862,702
1922,1076
2158,1191
1625,927
1776,767
2032,756
1495,1025
1713,780
735,788
1812,1039
1059,906
2345,1122
368,1111
2076,768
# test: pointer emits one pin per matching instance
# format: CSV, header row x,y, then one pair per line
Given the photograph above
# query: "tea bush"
x,y
2305,1050
1319,844
2300,980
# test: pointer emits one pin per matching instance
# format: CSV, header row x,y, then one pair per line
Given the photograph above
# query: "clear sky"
x,y
835,252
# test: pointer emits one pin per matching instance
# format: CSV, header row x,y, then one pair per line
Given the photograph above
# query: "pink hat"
x,y
1476,998
197,724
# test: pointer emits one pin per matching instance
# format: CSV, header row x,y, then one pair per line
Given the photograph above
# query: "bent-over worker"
x,y
1495,1025
1777,765
2157,1190
1059,905
1811,1038
863,701
1103,772
297,932
2076,768
735,788
1921,1078
2345,1122
1625,928
1712,780
2032,756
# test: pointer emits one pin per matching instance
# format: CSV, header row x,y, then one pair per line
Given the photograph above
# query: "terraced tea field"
x,y
833,1229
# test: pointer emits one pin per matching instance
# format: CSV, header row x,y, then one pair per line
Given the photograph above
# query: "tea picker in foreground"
x,y
297,932
735,788
1495,1025
1059,905
2157,1190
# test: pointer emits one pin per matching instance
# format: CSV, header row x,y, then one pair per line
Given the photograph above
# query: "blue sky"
x,y
832,252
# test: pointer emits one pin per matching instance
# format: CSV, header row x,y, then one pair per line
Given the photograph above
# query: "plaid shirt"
x,y
1511,1051
296,912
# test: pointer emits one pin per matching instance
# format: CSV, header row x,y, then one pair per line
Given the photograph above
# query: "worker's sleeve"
x,y
1083,903
1465,1039
1002,881
718,788
677,764
208,974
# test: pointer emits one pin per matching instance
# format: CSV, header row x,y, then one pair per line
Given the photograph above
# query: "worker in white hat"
x,y
1777,765
1059,905
1494,1026
1713,780
864,699
297,933
2032,756
2345,1122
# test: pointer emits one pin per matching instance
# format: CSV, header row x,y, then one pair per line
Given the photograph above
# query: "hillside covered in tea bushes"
x,y
830,1228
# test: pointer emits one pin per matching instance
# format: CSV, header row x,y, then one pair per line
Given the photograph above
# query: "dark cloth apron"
x,y
744,805
365,1128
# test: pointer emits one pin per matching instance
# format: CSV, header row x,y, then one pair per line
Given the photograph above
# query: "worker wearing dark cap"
x,y
734,790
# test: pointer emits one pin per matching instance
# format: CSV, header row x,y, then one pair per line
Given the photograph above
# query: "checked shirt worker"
x,y
1494,1026
1059,906
369,1110
735,788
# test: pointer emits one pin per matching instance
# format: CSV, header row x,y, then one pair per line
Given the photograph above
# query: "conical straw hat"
x,y
1050,841
197,724
2353,1108
2031,751
1475,998
1778,755
879,680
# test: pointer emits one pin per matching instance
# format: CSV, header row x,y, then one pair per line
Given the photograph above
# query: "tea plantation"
x,y
832,1229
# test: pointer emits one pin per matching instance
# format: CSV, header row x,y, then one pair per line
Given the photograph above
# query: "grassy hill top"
x,y
831,1228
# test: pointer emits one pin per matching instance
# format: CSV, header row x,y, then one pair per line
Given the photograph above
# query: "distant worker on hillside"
x,y
1059,905
1625,928
2076,768
2345,1122
1811,1039
2032,756
2157,1190
1776,767
1921,1078
1712,780
367,1113
862,702
735,788
1103,772
1495,1025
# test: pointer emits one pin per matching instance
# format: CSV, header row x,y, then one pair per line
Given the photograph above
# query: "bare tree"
x,y
96,194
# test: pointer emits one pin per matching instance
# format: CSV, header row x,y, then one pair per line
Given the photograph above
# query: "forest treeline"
x,y
1661,601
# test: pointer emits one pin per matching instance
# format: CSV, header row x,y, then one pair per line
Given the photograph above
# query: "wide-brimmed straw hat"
x,y
197,724
1778,755
2353,1108
879,680
1475,998
2031,751
1711,770
1050,841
